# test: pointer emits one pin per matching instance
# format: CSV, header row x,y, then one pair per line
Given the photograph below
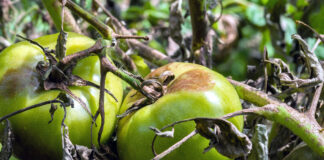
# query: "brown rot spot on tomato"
x,y
15,81
193,80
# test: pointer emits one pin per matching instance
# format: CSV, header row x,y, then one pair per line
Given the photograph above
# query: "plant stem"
x,y
105,31
199,23
135,83
30,107
303,125
54,9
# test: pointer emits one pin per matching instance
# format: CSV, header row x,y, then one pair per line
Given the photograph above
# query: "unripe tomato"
x,y
196,91
20,88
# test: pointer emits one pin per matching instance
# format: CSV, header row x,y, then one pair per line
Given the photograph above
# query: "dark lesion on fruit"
x,y
193,80
17,80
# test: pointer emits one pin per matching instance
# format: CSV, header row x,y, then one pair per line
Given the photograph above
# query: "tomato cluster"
x,y
196,91
20,85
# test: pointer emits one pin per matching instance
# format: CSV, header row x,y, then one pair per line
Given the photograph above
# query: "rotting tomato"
x,y
20,87
196,91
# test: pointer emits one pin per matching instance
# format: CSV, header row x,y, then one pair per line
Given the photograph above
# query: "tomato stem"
x,y
30,107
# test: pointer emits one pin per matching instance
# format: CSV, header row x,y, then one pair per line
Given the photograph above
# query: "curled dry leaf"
x,y
52,111
260,143
224,136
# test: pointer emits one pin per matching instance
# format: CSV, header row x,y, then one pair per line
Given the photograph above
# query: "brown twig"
x,y
175,146
146,52
117,36
313,30
312,109
265,57
129,63
101,109
29,108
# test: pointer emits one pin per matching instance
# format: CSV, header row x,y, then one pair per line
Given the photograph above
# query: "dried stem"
x,y
53,7
101,109
103,29
312,110
146,52
129,63
199,23
313,30
265,58
131,37
29,108
175,146
96,48
301,124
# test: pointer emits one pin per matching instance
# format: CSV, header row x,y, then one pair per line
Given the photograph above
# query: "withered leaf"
x,y
69,152
224,136
260,143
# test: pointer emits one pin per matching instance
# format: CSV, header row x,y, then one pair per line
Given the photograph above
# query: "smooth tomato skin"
x,y
195,92
19,83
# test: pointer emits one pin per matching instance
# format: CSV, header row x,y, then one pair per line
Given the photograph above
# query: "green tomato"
x,y
20,88
196,91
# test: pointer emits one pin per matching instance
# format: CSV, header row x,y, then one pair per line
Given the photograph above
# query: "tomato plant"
x,y
35,138
195,92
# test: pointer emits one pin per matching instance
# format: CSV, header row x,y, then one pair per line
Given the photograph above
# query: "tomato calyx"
x,y
153,89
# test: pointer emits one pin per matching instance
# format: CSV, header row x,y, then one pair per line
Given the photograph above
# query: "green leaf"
x,y
141,66
316,20
289,27
302,3
255,14
319,50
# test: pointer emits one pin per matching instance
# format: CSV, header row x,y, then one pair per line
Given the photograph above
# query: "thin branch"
x,y
29,108
175,146
265,57
312,110
130,37
96,48
101,109
146,52
313,30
